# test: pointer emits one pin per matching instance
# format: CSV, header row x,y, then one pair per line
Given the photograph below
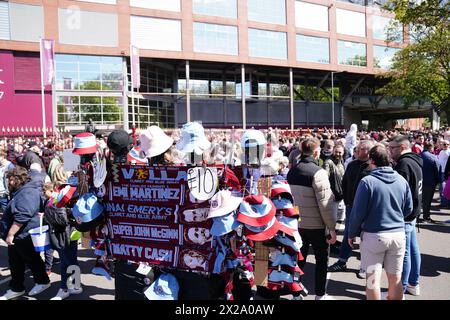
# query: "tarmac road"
x,y
435,272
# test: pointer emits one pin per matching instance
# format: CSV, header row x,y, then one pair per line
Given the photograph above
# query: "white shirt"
x,y
442,158
8,166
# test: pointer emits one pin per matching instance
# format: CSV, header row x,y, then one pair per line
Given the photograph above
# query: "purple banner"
x,y
48,61
155,218
135,67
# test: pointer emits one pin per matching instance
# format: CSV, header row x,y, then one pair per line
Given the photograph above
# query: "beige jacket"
x,y
315,202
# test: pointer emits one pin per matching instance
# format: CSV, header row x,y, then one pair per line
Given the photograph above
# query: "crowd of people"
x,y
375,185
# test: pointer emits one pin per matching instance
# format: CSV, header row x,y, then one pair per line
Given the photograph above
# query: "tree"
x,y
421,70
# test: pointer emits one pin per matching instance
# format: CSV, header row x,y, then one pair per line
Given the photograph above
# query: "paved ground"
x,y
435,271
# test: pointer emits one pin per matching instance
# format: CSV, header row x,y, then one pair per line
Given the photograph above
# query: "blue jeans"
x,y
3,204
68,257
346,250
411,262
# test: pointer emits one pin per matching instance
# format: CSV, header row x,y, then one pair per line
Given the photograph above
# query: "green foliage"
x,y
357,60
421,70
312,94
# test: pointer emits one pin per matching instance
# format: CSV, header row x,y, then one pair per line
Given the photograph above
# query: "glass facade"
x,y
267,11
78,110
89,87
311,16
313,49
351,23
382,56
219,8
267,44
375,3
215,38
352,53
77,72
381,25
153,109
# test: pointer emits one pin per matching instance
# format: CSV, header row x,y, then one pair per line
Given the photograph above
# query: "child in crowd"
x,y
67,253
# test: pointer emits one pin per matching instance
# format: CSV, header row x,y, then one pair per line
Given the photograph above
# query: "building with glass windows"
x,y
223,62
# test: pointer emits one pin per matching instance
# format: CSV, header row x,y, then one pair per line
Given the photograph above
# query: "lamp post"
x,y
332,98
332,94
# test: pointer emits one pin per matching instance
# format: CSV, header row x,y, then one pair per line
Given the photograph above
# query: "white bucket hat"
x,y
222,203
193,138
154,141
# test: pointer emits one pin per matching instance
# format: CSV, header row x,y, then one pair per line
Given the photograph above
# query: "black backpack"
x,y
59,226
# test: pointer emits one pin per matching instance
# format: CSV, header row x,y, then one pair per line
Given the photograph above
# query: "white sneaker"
x,y
325,297
11,295
414,290
76,290
38,288
61,295
361,274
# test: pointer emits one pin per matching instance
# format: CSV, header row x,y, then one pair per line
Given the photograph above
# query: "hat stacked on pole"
x,y
283,271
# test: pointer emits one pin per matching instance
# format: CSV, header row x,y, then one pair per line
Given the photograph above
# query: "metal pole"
x,y
244,115
291,96
188,94
132,87
332,98
125,95
42,92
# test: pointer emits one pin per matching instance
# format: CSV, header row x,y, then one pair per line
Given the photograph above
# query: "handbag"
x,y
446,192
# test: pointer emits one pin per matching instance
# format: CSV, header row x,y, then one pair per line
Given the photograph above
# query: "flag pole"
x,y
42,90
132,85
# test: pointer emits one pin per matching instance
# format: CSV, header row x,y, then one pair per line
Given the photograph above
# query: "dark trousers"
x,y
316,238
48,259
427,198
129,285
68,257
22,254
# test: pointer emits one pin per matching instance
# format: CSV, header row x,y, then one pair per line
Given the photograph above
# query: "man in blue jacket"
x,y
383,200
21,215
431,178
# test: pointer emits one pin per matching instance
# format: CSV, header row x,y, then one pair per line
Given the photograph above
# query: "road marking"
x,y
9,278
5,280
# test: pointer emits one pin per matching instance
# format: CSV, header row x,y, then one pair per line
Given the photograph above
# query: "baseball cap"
x,y
119,142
